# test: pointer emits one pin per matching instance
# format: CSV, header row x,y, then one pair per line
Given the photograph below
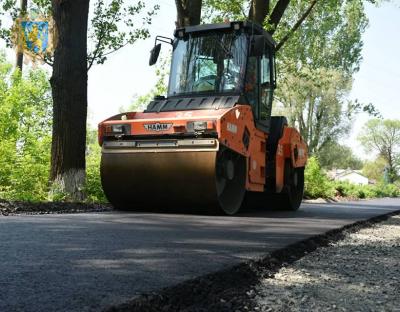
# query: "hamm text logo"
x,y
158,126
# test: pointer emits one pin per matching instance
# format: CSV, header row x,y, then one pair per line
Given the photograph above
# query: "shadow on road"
x,y
66,262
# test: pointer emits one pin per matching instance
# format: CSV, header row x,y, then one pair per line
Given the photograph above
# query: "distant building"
x,y
349,175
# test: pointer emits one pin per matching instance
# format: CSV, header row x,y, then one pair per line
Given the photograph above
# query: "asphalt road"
x,y
86,262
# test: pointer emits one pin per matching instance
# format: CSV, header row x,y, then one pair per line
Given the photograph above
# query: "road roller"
x,y
211,143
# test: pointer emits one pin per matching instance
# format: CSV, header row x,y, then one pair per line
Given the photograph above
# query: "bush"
x,y
94,190
386,190
25,144
317,183
346,189
25,132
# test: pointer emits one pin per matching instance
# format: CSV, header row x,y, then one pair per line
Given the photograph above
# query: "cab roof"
x,y
249,27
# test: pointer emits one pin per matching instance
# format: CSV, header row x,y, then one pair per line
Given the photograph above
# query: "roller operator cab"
x,y
211,144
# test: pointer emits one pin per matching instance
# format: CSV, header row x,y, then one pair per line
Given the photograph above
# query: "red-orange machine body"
x,y
206,149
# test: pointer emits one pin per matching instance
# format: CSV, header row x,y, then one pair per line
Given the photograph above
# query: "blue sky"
x,y
127,74
378,80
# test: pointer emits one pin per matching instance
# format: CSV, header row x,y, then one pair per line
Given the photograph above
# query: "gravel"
x,y
22,207
359,273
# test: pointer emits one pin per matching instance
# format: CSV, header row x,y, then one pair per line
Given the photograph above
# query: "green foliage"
x,y
354,191
383,137
374,169
216,11
387,190
333,155
57,193
316,182
346,189
115,25
329,38
315,66
317,185
25,131
11,10
315,100
93,189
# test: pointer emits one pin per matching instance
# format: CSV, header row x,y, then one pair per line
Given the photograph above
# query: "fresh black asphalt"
x,y
87,262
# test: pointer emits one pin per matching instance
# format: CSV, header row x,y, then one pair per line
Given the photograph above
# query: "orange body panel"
x,y
178,120
235,128
230,125
290,146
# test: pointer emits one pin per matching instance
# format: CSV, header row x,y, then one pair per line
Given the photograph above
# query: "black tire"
x,y
292,194
231,187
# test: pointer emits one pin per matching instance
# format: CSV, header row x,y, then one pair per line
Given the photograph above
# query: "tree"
x,y
69,89
25,132
326,46
374,169
316,65
334,155
20,55
383,137
330,37
259,11
188,12
70,65
313,100
69,80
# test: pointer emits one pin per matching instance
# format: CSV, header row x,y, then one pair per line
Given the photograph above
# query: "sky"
x,y
378,81
126,74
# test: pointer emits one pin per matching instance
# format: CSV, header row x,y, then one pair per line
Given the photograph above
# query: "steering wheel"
x,y
205,83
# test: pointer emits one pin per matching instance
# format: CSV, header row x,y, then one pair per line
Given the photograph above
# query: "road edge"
x,y
231,289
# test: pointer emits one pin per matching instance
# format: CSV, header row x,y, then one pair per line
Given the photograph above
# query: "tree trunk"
x,y
277,13
259,9
188,12
296,25
20,55
69,89
392,170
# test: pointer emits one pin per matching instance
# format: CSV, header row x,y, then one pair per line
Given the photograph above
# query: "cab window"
x,y
266,86
251,85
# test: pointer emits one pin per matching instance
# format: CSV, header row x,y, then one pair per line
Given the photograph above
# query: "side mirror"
x,y
154,53
257,45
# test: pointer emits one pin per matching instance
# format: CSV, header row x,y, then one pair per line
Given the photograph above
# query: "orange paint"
x,y
235,128
290,146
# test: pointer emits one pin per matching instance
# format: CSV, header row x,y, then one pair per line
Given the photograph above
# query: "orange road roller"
x,y
212,143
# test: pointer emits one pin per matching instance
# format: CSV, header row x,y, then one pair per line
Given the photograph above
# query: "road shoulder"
x,y
246,287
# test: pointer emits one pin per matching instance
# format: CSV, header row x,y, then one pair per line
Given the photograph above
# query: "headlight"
x,y
195,126
118,129
200,126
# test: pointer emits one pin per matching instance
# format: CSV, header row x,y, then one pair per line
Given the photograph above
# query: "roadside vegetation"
x,y
314,81
25,129
318,185
25,132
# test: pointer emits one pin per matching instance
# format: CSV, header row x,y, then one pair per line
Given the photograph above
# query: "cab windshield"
x,y
210,63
